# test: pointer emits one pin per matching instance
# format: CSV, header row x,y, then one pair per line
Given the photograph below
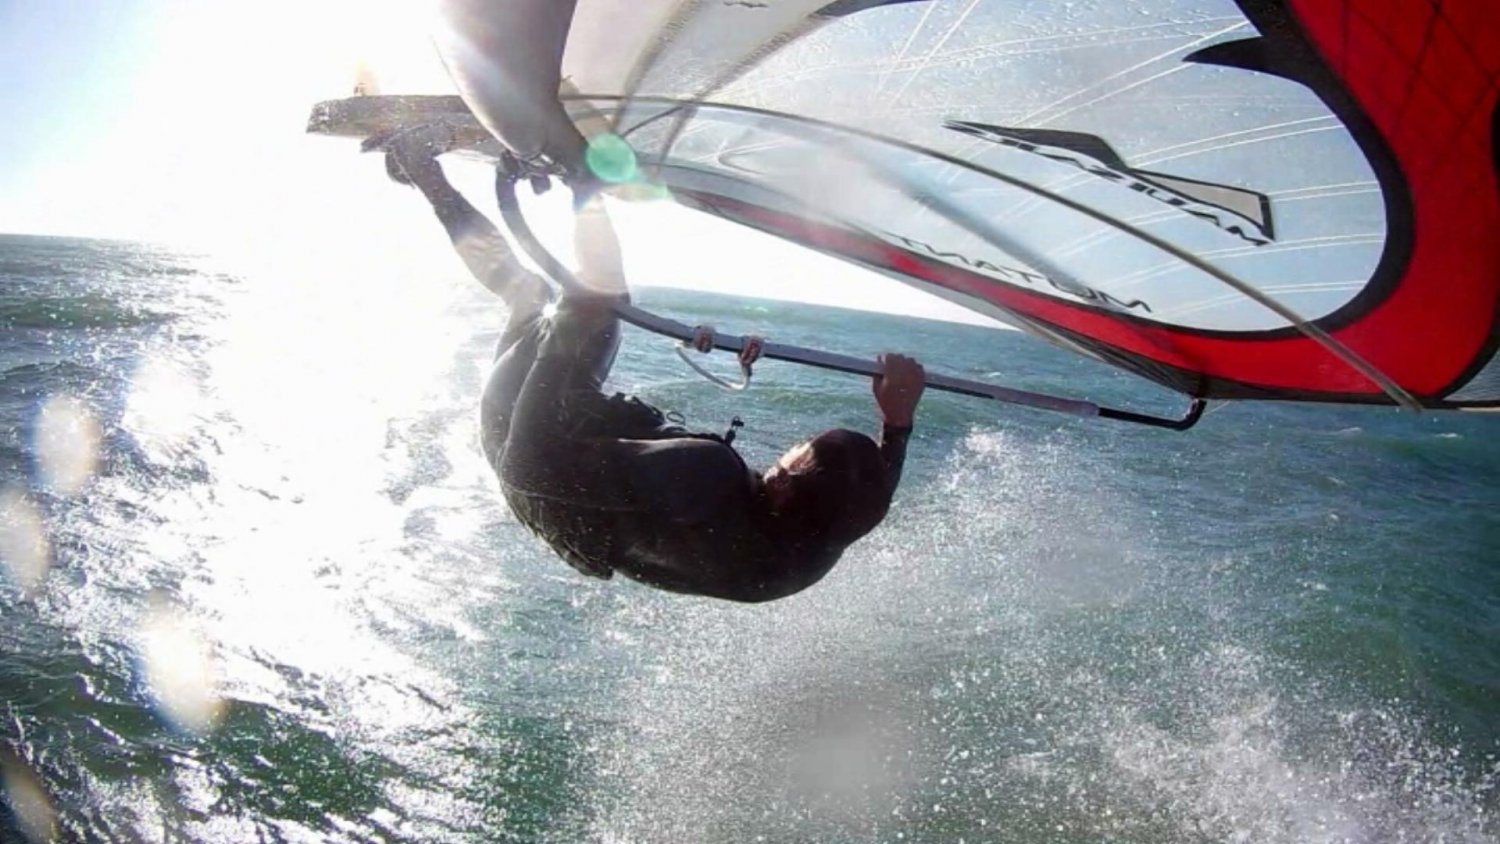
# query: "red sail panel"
x,y
1420,74
1422,82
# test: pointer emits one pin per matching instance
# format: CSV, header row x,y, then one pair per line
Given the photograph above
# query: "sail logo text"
x,y
1017,276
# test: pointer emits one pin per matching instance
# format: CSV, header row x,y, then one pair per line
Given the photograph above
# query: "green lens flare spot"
x,y
611,159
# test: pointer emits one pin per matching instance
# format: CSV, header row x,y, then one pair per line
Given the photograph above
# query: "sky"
x,y
171,120
182,123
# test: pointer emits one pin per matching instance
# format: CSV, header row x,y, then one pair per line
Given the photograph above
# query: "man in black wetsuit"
x,y
606,481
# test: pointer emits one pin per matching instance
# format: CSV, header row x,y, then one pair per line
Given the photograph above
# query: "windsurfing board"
x,y
371,116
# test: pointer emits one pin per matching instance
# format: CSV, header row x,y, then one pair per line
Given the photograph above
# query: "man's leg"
x,y
411,160
478,242
514,358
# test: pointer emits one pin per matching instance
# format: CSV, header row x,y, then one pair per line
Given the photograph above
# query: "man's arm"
x,y
897,390
893,454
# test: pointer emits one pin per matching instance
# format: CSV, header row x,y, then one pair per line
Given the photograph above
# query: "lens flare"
x,y
28,801
24,549
179,670
611,158
66,444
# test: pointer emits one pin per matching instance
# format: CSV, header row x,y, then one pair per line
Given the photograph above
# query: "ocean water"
x,y
261,588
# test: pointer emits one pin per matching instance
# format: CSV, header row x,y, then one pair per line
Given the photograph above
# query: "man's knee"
x,y
587,312
532,295
586,331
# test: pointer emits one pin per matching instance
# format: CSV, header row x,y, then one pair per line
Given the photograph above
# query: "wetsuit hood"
x,y
827,492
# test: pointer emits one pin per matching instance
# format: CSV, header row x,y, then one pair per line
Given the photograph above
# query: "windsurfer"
x,y
608,482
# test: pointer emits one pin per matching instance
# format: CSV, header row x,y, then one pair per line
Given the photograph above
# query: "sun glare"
x,y
162,408
212,149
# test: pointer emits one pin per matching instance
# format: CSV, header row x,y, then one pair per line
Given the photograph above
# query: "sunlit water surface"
x,y
260,587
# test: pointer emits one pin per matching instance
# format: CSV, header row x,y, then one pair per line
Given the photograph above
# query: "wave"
x,y
31,270
47,376
88,311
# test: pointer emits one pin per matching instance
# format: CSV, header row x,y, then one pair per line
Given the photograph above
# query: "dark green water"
x,y
1283,626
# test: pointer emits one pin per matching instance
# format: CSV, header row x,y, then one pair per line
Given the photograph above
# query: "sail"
x,y
1252,199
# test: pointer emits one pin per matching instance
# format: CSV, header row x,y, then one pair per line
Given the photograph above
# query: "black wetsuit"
x,y
612,487
604,480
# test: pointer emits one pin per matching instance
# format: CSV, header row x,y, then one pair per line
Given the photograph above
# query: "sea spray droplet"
x,y
611,158
179,669
28,801
66,444
24,549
